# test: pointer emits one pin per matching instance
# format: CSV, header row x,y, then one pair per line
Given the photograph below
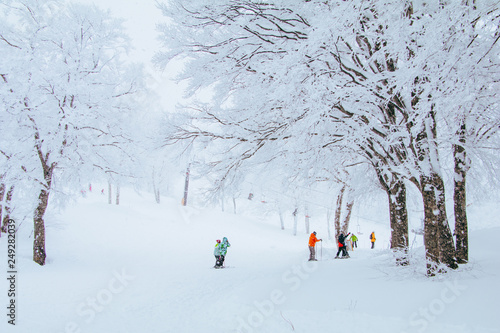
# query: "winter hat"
x,y
218,241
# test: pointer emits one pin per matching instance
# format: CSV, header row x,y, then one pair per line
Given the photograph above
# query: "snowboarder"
x,y
342,247
218,259
372,239
354,241
223,249
312,243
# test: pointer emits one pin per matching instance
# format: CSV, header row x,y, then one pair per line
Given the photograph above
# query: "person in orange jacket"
x,y
372,239
312,243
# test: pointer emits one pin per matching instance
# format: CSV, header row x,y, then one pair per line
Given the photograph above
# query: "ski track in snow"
x,y
143,267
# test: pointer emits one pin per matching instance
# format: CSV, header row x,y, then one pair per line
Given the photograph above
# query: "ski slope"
x,y
144,267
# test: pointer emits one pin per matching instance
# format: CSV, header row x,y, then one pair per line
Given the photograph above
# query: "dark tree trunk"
x,y
7,208
459,198
39,254
338,211
395,188
347,219
430,227
399,221
438,238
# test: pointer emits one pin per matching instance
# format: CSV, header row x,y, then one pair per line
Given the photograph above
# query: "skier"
x,y
312,243
223,250
342,247
372,239
218,261
354,241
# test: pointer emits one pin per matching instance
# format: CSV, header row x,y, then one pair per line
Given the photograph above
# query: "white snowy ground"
x,y
143,267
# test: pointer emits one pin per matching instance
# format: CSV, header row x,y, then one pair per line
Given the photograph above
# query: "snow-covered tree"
x,y
336,83
67,91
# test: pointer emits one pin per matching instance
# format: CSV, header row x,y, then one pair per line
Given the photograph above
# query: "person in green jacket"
x,y
354,241
218,259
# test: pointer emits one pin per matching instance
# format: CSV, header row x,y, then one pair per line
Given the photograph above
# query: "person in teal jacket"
x,y
223,249
220,252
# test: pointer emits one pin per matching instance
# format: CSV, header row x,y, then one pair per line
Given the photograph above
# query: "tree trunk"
x,y
156,190
7,209
157,196
438,239
395,188
338,211
459,198
110,192
399,221
347,219
186,186
39,253
117,194
459,192
282,221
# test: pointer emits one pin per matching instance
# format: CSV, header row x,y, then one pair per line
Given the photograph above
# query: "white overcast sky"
x,y
141,17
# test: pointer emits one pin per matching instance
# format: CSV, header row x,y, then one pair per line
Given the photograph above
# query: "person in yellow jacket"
x,y
372,239
312,243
